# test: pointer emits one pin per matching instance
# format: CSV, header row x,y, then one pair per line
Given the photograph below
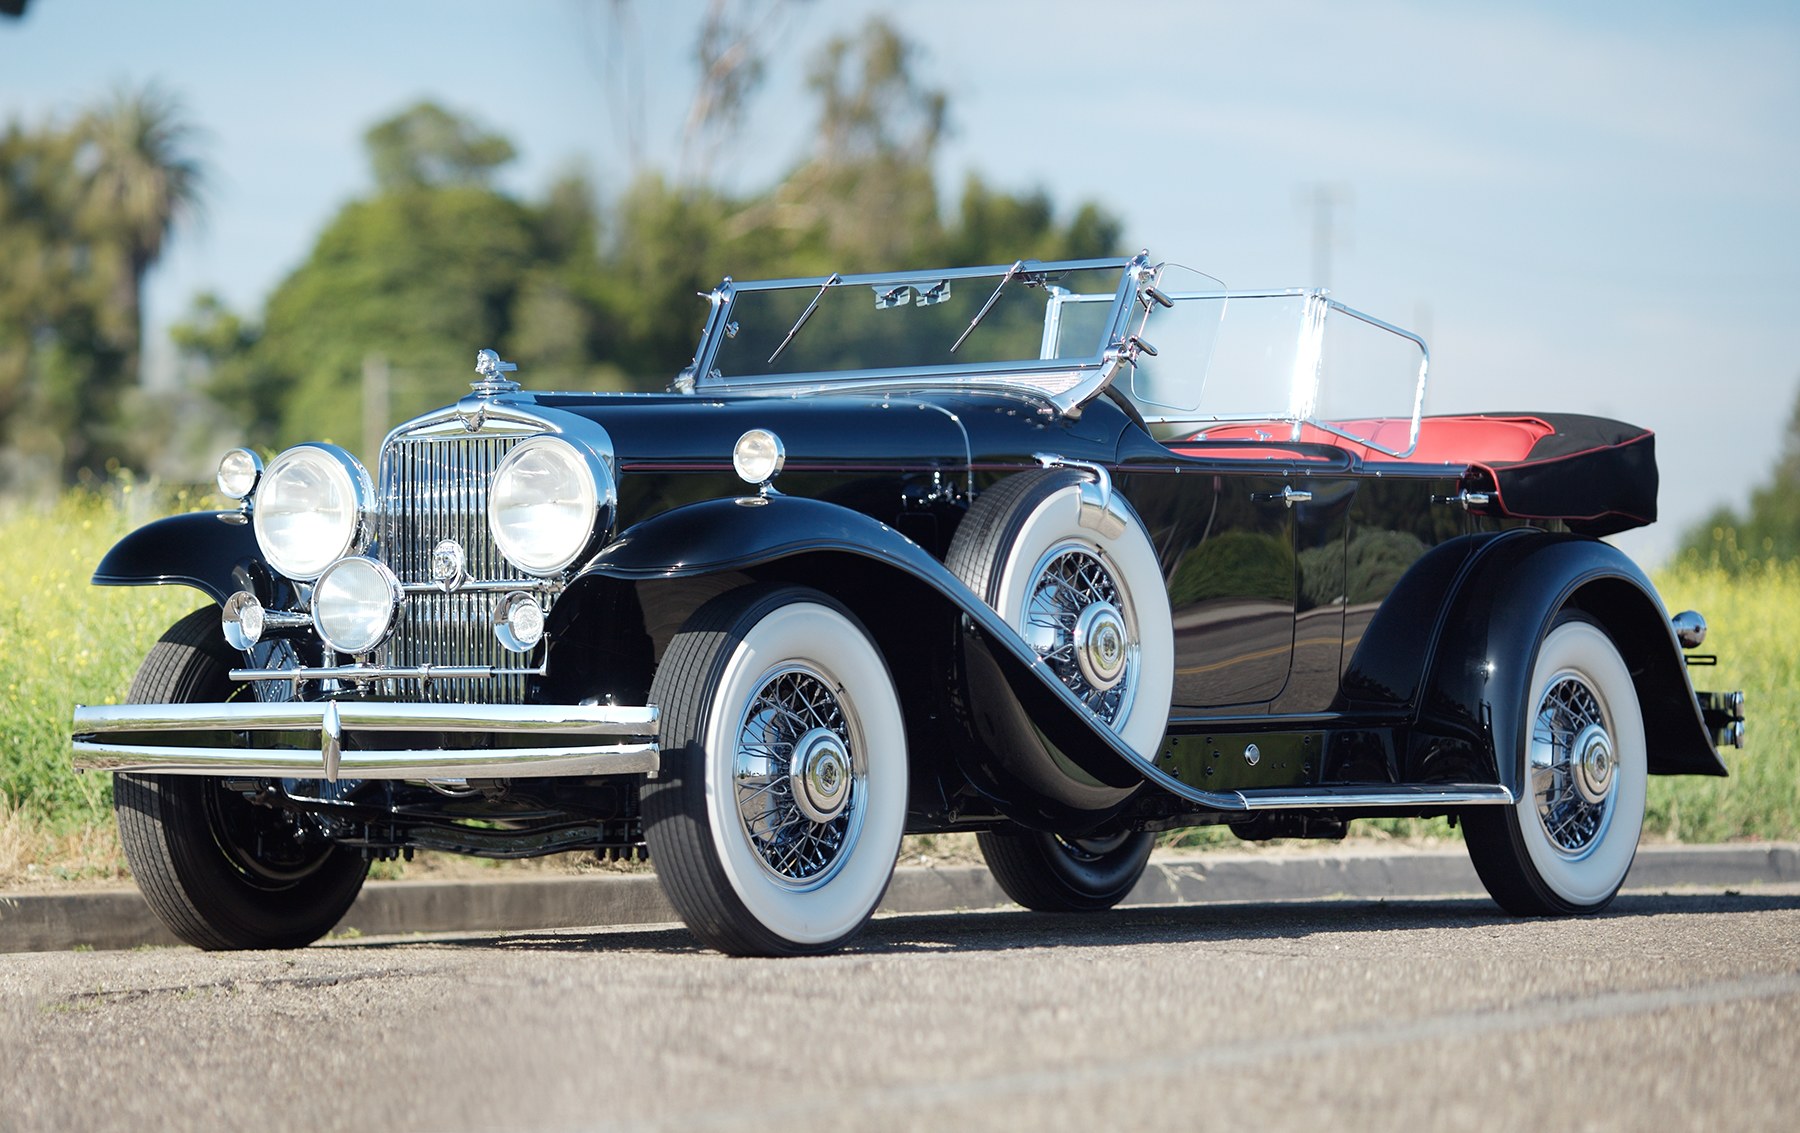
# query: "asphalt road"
x,y
1669,1012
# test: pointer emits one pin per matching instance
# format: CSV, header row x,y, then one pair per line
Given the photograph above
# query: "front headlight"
x,y
312,508
545,503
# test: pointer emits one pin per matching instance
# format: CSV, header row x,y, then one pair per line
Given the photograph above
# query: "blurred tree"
x,y
411,281
84,214
999,227
437,263
140,179
868,195
218,345
1769,528
865,198
427,146
730,53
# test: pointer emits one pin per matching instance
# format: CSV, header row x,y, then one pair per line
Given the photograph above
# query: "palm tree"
x,y
141,180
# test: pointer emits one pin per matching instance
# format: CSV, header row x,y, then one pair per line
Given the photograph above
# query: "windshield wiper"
x,y
989,305
804,315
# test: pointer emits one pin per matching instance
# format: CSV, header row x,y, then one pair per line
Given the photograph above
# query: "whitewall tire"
x,y
776,820
1088,598
1566,845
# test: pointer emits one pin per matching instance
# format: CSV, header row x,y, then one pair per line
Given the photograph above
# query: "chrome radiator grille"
x,y
434,487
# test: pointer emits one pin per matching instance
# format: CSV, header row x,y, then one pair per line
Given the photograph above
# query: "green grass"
x,y
1754,621
63,641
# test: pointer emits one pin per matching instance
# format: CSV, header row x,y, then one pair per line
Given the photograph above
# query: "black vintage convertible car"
x,y
1064,554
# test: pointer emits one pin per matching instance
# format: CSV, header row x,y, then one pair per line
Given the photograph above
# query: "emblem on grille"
x,y
449,565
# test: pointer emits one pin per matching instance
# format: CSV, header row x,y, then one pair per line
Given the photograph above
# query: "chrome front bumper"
x,y
326,739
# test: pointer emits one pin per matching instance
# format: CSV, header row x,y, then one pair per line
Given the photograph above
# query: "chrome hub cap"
x,y
1079,622
820,775
798,777
1594,763
1573,766
1100,645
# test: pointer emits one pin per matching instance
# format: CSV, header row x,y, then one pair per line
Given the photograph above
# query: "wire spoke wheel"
x,y
1572,765
1567,843
799,787
1080,622
775,821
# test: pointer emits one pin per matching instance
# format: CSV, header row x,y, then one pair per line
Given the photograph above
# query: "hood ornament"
x,y
491,369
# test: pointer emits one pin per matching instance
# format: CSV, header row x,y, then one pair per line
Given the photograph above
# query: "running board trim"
x,y
1370,798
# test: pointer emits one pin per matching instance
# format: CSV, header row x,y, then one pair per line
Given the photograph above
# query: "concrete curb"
x,y
119,918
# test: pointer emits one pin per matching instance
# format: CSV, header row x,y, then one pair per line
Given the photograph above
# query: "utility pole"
x,y
1323,199
375,406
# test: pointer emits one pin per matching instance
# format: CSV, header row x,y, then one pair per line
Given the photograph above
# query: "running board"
x,y
1375,797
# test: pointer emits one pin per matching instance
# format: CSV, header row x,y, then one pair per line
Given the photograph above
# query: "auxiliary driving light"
x,y
519,622
242,619
355,604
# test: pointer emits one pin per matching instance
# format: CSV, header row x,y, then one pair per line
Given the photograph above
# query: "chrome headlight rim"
x,y
357,528
395,595
597,496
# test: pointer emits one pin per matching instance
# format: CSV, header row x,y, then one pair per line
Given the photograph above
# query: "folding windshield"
x,y
1024,319
1292,357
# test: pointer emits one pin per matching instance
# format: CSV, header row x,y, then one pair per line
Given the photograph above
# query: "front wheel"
x,y
775,820
1052,874
218,870
1568,842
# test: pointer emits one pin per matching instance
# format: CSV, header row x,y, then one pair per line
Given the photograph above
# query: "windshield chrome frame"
x,y
1066,383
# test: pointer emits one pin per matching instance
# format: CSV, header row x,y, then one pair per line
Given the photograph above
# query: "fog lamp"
x,y
519,622
355,604
242,620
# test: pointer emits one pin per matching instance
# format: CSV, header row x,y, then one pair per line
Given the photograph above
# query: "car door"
x,y
1225,540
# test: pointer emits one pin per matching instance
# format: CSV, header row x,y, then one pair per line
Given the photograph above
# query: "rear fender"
x,y
1473,703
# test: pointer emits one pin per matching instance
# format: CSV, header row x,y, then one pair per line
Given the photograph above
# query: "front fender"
x,y
213,552
1473,703
726,535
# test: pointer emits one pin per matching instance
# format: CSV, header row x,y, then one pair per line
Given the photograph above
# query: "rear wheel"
x,y
775,820
1568,842
218,870
1053,874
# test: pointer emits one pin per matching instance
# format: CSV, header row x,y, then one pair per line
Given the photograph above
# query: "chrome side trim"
x,y
369,716
502,763
1355,798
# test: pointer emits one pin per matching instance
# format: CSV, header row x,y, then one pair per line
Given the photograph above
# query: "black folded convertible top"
x,y
1596,474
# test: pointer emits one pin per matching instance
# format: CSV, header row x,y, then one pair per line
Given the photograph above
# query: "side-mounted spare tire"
x,y
1070,568
1081,584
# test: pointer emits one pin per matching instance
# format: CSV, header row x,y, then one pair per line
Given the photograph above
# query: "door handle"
x,y
1287,495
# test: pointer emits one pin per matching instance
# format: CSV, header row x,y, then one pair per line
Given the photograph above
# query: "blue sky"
x,y
1590,208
